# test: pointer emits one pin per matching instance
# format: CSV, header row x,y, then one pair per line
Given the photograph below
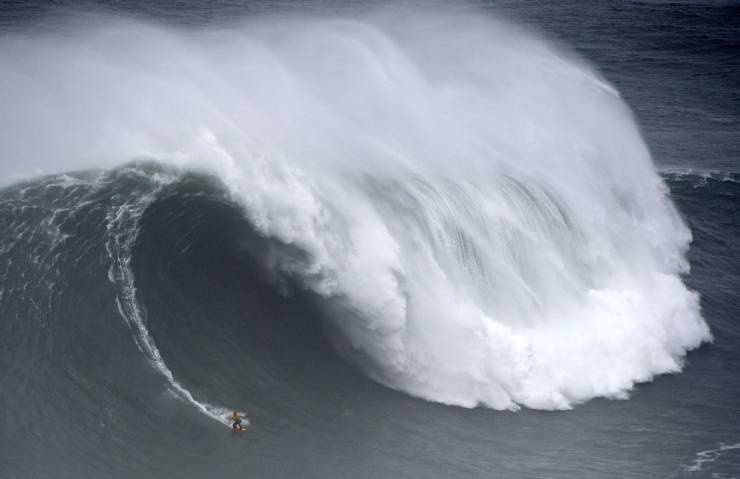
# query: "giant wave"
x,y
474,209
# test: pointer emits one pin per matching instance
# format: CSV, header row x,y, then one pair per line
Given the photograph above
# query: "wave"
x,y
698,177
474,210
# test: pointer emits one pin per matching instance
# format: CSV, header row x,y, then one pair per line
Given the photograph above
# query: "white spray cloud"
x,y
478,208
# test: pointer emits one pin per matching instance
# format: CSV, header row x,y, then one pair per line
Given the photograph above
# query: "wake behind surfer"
x,y
236,419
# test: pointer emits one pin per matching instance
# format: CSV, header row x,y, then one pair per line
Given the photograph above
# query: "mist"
x,y
481,219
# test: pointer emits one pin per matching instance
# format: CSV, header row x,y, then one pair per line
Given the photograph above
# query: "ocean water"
x,y
491,239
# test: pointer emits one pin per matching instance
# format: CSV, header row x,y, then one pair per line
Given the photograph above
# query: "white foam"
x,y
709,456
122,225
478,209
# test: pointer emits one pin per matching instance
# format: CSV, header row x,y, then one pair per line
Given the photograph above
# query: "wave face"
x,y
473,210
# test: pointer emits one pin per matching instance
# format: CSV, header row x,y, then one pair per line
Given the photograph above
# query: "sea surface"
x,y
492,239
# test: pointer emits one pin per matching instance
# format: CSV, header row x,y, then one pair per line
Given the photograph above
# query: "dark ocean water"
x,y
99,265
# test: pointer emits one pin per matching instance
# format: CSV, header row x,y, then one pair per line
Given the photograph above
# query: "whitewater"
x,y
473,207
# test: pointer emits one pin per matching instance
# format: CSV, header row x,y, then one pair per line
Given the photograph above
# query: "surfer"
x,y
237,421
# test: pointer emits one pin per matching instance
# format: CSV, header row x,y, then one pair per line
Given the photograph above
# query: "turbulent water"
x,y
346,225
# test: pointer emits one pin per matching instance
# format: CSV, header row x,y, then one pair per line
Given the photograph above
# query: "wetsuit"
x,y
237,422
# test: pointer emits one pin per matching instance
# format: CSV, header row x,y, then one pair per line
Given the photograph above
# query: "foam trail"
x,y
476,209
122,230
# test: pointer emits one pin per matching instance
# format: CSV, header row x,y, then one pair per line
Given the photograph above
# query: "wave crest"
x,y
476,208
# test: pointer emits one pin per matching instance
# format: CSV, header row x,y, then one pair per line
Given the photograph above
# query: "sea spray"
x,y
477,209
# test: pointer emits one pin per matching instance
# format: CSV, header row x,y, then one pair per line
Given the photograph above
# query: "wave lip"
x,y
475,209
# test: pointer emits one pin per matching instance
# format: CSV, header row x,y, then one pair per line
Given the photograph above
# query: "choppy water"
x,y
350,221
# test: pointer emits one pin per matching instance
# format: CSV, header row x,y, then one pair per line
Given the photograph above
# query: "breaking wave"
x,y
474,210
